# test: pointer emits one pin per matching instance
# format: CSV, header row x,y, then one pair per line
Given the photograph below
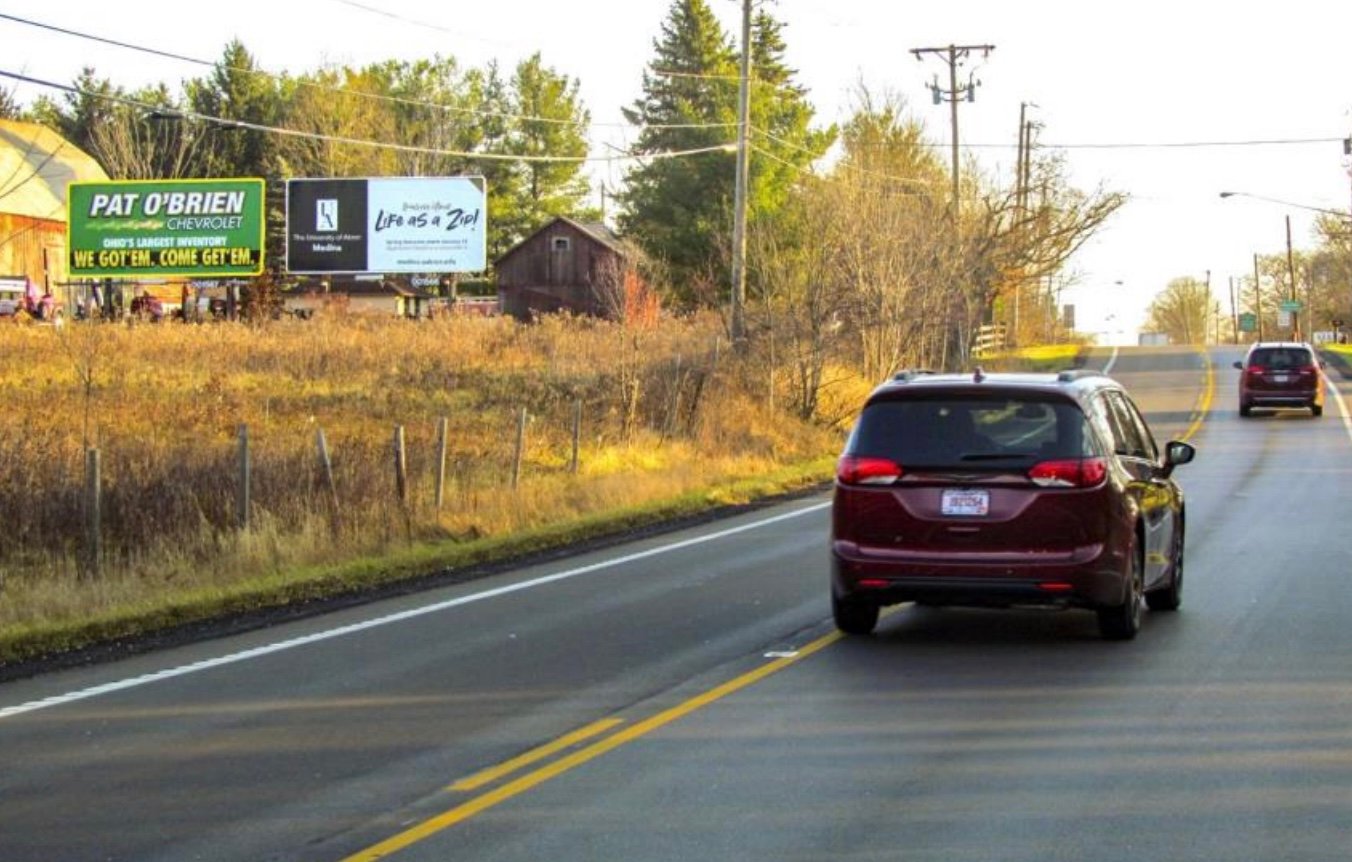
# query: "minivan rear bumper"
x,y
1095,578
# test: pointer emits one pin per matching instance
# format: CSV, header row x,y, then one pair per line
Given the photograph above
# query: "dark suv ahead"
x,y
1005,490
1280,374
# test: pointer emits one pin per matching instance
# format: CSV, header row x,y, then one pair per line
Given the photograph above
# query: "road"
x,y
685,697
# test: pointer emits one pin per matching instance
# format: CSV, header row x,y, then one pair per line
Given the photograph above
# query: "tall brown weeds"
x,y
664,411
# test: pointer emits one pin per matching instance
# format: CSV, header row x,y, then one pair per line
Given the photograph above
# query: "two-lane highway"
x,y
686,697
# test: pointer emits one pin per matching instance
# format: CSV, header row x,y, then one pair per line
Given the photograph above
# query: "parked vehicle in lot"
x,y
1280,374
1005,490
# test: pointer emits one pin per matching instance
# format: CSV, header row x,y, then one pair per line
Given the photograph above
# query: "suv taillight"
x,y
1069,473
854,470
1308,369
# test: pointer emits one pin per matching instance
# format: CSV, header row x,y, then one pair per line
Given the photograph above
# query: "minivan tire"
x,y
1122,622
854,617
1171,597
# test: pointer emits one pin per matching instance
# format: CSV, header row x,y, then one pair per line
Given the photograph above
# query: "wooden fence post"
x,y
520,448
93,512
673,408
400,465
443,433
326,464
242,498
577,435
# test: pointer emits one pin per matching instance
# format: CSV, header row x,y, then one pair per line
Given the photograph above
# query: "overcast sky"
x,y
1207,87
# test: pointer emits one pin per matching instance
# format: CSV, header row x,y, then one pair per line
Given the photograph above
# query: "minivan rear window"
x,y
971,432
1281,357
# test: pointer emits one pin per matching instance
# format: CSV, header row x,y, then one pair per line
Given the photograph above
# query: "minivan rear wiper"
x,y
995,456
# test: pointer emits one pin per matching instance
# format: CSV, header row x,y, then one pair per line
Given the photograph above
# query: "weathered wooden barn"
x,y
583,268
37,165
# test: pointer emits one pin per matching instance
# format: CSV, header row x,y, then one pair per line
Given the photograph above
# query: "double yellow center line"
x,y
1204,403
525,782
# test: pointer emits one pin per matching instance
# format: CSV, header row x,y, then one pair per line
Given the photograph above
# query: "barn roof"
x,y
594,229
37,165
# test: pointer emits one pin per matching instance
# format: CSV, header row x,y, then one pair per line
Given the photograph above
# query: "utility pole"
x,y
1234,313
1206,325
739,202
1025,166
1021,163
954,55
1258,296
1291,272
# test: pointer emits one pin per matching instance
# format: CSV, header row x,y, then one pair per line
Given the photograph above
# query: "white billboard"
x,y
387,224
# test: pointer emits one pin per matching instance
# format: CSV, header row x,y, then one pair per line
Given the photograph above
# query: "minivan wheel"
x,y
1245,410
1317,410
1171,597
854,617
1122,622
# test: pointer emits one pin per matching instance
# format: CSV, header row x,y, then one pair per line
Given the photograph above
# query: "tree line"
x,y
1203,311
857,258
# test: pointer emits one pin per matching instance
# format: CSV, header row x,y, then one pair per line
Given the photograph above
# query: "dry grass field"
x,y
664,413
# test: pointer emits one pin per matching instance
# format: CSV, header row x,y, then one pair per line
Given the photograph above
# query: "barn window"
x,y
560,243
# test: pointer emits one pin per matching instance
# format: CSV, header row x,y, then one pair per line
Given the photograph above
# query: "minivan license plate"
x,y
964,501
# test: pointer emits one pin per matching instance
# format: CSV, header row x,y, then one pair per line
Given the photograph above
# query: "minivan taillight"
x,y
1308,369
854,470
1069,473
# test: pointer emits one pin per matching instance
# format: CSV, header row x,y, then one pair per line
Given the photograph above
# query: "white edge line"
x,y
1342,405
342,631
1112,360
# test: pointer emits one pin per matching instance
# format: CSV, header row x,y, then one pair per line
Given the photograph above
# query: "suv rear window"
x,y
967,431
1281,357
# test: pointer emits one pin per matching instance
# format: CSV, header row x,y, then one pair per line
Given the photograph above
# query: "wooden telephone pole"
x,y
954,55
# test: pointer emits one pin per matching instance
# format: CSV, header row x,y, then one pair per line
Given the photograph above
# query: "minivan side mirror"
x,y
1177,453
1239,365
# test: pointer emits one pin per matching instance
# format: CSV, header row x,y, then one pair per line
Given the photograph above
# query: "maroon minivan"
x,y
1280,374
1005,490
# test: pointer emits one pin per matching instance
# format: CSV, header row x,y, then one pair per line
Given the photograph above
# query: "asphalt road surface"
x,y
686,697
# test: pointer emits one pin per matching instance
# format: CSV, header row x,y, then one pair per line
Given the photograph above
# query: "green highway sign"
x,y
1248,322
1290,305
200,228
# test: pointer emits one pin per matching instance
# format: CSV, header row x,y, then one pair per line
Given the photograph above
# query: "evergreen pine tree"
x,y
679,209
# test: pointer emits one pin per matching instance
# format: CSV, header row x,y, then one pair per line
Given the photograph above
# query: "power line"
x,y
844,165
382,97
1129,145
362,142
395,16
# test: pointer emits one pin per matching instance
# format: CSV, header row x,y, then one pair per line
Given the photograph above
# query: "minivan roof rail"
x,y
910,374
1071,374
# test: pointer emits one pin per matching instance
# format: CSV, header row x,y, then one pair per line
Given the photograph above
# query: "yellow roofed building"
x,y
36,166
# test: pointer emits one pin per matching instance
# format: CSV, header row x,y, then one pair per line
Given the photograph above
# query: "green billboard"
x,y
199,228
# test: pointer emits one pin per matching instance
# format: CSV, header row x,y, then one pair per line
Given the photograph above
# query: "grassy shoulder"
x,y
293,588
1037,358
1339,356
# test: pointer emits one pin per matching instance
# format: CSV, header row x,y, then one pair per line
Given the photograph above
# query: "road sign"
x,y
1248,322
1290,305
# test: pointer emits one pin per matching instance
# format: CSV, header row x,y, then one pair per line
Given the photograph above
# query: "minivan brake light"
x,y
1069,473
856,470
